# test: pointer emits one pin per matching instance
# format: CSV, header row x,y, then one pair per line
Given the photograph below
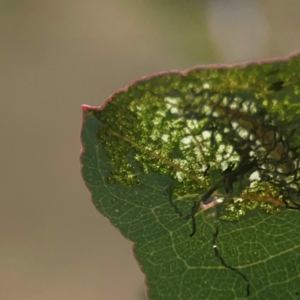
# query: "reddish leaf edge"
x,y
86,109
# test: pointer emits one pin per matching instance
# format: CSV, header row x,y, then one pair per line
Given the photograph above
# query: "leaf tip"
x,y
86,108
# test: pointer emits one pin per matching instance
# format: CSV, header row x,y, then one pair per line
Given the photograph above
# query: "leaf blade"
x,y
179,267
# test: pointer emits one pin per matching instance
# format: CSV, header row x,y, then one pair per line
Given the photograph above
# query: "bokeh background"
x,y
58,54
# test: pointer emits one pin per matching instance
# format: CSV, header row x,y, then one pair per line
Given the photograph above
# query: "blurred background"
x,y
58,54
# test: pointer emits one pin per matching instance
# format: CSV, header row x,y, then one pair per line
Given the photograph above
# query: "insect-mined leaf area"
x,y
205,132
212,153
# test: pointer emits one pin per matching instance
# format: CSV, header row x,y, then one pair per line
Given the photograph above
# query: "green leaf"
x,y
216,148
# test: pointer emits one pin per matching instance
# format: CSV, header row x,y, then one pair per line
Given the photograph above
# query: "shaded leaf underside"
x,y
226,133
